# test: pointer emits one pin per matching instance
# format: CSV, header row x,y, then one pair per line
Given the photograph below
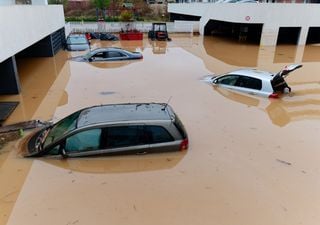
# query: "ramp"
x,y
6,108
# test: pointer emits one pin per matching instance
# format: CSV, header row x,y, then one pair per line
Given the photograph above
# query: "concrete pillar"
x,y
202,23
9,78
303,35
269,36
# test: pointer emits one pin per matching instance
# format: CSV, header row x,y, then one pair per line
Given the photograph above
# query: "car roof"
x,y
77,35
124,112
263,75
108,49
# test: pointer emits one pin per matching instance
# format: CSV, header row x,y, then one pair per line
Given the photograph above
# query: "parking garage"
x,y
46,47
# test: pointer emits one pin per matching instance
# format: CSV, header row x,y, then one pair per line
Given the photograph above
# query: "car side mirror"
x,y
90,59
214,81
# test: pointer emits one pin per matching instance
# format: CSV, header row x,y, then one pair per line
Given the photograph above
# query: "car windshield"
x,y
77,40
89,55
62,127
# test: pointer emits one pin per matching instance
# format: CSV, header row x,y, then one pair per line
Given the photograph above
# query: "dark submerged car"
x,y
108,54
112,129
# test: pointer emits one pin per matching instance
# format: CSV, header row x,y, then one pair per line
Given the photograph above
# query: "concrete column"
x,y
303,35
202,23
269,36
9,78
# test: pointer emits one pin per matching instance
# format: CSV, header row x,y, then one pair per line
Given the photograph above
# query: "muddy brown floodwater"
x,y
250,161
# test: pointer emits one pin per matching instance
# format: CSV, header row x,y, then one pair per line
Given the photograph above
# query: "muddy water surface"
x,y
250,161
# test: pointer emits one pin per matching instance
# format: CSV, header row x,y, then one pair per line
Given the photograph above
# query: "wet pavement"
x,y
251,160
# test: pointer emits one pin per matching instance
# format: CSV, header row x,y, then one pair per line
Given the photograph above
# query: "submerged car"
x,y
256,82
111,129
77,42
108,54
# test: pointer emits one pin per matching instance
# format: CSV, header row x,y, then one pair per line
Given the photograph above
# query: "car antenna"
x,y
165,106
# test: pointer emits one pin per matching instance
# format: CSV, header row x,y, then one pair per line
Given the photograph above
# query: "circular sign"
x,y
247,18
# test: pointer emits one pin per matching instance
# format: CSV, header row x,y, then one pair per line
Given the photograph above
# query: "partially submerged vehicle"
x,y
132,128
256,82
77,42
159,32
108,54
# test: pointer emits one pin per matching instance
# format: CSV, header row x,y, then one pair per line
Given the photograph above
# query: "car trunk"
x,y
278,82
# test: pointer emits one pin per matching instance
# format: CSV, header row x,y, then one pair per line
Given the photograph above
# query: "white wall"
x,y
7,2
272,16
24,25
39,2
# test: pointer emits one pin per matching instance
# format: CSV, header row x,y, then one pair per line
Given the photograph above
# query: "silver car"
x,y
256,82
111,129
77,42
108,54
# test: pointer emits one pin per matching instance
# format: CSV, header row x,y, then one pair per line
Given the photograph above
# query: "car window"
x,y
62,127
228,80
77,40
249,82
99,55
84,141
114,54
123,136
157,134
54,150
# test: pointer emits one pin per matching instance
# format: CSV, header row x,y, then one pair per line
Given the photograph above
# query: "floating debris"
x,y
284,162
21,126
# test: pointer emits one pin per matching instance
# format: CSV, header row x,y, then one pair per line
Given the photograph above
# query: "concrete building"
x,y
266,24
35,29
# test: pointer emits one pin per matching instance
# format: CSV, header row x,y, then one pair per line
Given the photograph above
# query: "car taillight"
x,y
141,57
274,95
184,144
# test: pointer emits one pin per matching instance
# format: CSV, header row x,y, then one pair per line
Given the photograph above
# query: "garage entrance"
x,y
288,35
237,31
313,35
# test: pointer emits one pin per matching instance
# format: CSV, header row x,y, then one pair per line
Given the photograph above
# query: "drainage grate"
x,y
6,108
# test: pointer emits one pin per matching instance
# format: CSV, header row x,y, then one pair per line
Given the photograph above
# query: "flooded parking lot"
x,y
250,160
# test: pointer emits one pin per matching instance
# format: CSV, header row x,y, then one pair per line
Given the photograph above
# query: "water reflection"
x,y
297,106
159,47
231,52
112,65
285,54
120,164
311,53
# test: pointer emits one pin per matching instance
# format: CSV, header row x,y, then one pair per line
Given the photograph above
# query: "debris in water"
x,y
284,162
23,126
9,136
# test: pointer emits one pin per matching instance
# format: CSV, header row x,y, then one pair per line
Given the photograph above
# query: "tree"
x,y
101,6
64,2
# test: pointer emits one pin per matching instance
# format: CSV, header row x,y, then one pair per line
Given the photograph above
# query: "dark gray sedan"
x,y
108,54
